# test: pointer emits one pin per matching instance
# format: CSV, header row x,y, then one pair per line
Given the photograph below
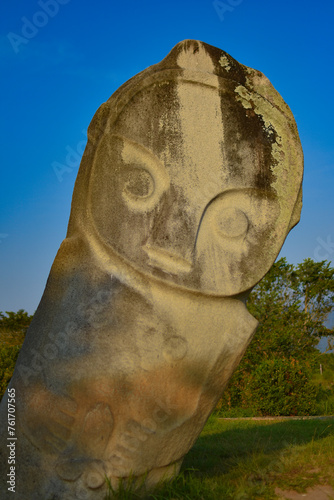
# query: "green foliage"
x,y
282,387
292,304
8,357
325,382
13,328
313,283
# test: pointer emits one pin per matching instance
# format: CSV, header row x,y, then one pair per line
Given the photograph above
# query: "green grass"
x,y
248,459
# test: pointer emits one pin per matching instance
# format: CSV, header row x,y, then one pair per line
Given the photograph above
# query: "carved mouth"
x,y
167,261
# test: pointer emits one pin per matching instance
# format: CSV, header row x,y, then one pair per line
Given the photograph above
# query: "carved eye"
x,y
139,183
232,223
144,178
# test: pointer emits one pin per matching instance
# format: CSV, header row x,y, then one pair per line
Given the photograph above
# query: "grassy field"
x,y
248,459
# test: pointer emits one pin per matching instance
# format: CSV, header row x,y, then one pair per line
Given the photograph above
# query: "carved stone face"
x,y
188,183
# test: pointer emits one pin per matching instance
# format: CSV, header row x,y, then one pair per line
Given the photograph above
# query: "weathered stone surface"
x,y
189,184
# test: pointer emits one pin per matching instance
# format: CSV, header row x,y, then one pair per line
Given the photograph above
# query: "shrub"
x,y
282,387
8,357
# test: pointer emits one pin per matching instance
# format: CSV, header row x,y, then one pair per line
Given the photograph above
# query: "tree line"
x,y
278,374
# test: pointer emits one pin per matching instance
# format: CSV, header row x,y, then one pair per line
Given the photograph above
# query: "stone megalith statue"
x,y
187,189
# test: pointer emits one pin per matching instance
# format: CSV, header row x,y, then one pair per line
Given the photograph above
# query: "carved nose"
x,y
170,245
167,261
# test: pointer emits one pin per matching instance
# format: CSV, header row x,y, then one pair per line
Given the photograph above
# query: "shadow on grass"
x,y
222,444
246,460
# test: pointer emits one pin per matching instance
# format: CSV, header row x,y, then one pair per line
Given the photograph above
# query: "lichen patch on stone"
x,y
225,63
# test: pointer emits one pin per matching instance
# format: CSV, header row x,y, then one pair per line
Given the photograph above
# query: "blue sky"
x,y
60,59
